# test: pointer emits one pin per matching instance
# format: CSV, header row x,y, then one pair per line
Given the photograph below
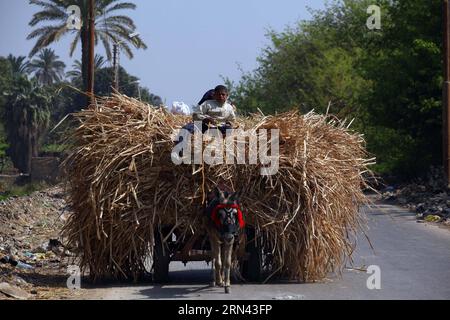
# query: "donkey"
x,y
223,225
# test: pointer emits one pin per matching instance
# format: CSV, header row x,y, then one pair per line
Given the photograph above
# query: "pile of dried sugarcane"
x,y
122,185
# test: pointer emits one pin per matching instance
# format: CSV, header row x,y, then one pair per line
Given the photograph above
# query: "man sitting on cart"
x,y
217,112
214,111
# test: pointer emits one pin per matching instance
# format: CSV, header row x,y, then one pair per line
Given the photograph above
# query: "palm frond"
x,y
47,35
40,31
126,21
121,6
74,43
126,48
47,68
139,43
18,64
99,61
106,44
48,16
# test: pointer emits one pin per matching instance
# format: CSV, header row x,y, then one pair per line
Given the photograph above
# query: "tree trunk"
x,y
20,146
29,153
84,56
24,143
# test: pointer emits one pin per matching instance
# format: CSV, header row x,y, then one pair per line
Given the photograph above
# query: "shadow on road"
x,y
163,292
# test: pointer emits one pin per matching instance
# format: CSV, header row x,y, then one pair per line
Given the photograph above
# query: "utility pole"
x,y
138,83
116,66
446,92
116,59
91,18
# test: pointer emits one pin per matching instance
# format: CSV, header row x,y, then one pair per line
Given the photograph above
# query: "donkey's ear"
x,y
236,196
218,193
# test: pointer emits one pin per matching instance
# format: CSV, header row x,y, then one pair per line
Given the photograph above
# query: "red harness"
x,y
216,219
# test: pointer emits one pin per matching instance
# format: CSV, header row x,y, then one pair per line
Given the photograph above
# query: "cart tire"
x,y
161,260
252,268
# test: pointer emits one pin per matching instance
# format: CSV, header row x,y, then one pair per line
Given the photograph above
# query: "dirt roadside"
x,y
33,261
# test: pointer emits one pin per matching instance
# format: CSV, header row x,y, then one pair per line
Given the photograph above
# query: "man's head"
x,y
221,94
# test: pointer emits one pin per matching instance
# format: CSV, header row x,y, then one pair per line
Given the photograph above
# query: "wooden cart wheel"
x,y
252,268
161,260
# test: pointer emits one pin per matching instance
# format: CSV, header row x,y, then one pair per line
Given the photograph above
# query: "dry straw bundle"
x,y
123,184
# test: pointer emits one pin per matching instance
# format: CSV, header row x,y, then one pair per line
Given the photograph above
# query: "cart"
x,y
171,246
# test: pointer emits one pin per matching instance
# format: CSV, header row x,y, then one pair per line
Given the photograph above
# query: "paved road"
x,y
414,261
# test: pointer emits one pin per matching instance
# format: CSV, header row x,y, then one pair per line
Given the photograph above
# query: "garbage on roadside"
x,y
15,263
22,265
13,291
32,257
433,218
428,196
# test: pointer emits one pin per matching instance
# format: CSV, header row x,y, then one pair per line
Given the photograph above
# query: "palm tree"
x,y
47,68
26,118
18,64
109,28
76,73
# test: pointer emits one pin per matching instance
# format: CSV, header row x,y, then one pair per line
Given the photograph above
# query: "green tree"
x,y
6,76
110,27
297,71
47,68
311,65
405,99
390,80
26,118
128,85
148,97
76,73
19,65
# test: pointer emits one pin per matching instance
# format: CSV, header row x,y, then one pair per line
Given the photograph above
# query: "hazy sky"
x,y
191,43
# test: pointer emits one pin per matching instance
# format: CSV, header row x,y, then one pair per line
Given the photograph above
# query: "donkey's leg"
x,y
219,267
226,254
213,271
213,258
217,263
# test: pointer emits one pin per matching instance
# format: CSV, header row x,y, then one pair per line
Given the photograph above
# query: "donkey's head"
x,y
227,214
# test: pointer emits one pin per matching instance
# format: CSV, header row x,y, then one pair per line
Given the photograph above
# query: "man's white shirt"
x,y
213,109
